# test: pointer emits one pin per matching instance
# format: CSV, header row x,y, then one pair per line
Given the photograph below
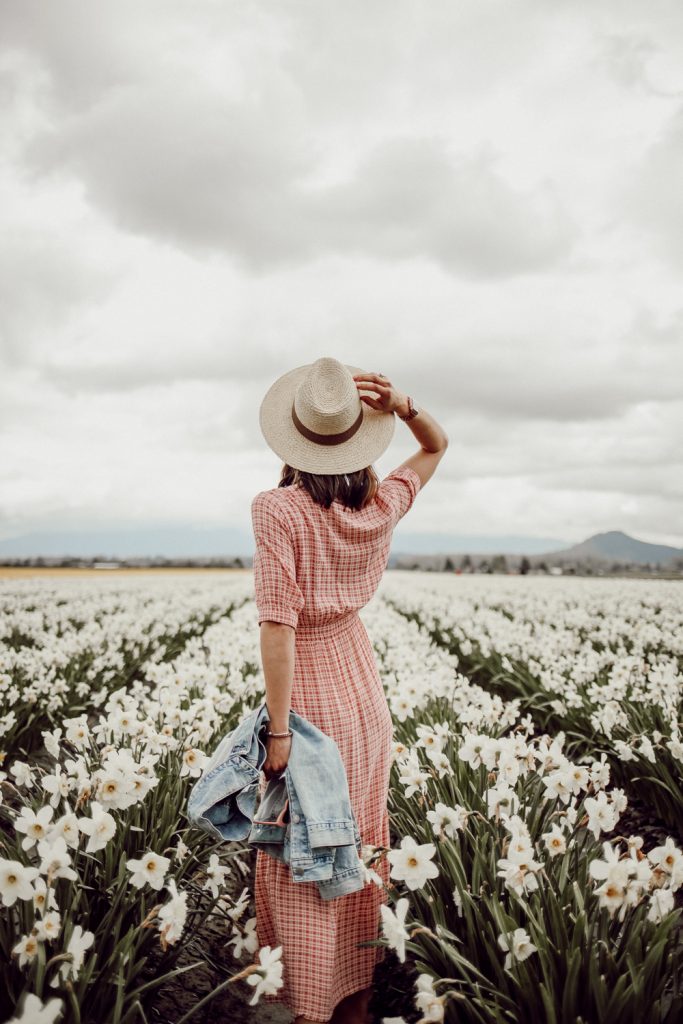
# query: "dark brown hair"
x,y
354,490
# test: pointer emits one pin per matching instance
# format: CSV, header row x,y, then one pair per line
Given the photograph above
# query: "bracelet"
x,y
288,733
412,412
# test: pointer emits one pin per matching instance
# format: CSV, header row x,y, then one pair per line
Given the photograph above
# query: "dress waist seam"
x,y
333,627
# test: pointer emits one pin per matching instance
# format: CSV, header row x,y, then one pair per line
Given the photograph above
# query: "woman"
x,y
322,543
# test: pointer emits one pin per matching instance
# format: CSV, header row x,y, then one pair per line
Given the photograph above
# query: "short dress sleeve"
x,y
397,492
277,593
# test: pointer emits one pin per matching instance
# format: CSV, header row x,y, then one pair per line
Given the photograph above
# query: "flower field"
x,y
532,715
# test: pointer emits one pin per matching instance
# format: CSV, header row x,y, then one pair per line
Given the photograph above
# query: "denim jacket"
x,y
304,817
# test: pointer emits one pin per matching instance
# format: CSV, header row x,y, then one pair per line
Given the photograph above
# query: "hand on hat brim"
x,y
371,382
372,402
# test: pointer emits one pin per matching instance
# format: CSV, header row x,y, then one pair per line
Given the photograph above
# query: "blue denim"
x,y
304,817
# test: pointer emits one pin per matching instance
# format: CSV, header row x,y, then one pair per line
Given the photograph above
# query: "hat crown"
x,y
327,399
314,419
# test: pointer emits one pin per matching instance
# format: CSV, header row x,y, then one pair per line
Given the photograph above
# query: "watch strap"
x,y
412,411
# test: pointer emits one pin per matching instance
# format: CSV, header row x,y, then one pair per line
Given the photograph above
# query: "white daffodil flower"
x,y
393,926
519,948
268,980
412,862
148,870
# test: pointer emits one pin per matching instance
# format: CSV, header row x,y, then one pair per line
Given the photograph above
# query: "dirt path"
x,y
393,982
232,1005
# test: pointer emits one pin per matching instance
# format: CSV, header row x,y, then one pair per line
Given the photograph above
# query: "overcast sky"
x,y
480,200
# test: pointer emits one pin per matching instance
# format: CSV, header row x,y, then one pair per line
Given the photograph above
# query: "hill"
x,y
616,546
602,551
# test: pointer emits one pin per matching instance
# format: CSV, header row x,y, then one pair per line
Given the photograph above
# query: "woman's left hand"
x,y
277,755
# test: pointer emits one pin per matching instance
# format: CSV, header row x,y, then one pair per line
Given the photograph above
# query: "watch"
x,y
412,411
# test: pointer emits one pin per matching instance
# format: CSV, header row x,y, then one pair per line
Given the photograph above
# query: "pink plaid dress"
x,y
313,569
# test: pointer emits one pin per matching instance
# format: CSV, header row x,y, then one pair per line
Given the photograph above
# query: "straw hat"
x,y
313,419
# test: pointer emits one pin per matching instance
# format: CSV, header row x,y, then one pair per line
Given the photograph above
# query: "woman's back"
x,y
314,565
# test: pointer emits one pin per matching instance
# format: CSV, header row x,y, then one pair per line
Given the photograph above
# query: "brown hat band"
x,y
327,438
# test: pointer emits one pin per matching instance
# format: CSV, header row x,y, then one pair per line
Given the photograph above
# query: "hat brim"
x,y
275,418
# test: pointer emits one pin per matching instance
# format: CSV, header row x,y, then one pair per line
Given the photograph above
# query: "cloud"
x,y
77,53
464,364
410,198
626,56
651,194
183,166
210,174
42,282
232,164
479,200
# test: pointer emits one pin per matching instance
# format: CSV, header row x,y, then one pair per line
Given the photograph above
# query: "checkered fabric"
x,y
313,569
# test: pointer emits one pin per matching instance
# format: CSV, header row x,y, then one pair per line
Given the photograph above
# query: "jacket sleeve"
x,y
397,492
277,593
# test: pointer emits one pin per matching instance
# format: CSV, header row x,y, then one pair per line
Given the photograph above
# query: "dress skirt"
x,y
337,687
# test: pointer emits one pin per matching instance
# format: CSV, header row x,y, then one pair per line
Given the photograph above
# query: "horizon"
x,y
413,545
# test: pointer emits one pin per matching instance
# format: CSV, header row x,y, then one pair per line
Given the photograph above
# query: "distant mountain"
x,y
616,546
601,551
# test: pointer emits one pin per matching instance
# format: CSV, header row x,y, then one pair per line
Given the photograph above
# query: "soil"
x,y
392,996
177,997
640,820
